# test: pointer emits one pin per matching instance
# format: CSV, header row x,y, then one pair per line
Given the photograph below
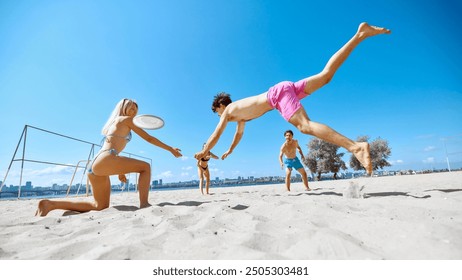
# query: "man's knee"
x,y
305,128
326,76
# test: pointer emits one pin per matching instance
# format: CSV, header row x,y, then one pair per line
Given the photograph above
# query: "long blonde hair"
x,y
119,110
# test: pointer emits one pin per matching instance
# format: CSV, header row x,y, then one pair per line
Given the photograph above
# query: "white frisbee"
x,y
148,121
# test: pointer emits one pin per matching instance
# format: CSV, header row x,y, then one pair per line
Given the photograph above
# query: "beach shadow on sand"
x,y
239,207
126,208
71,213
199,203
384,194
184,203
445,190
130,208
366,195
123,208
321,193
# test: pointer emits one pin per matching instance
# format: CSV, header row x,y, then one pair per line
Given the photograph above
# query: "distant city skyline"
x,y
346,174
29,191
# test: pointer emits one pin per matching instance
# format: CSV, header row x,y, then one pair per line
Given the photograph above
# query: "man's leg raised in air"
x,y
317,81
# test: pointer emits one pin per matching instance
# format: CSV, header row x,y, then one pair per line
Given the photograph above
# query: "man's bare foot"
x,y
43,208
365,30
362,153
308,189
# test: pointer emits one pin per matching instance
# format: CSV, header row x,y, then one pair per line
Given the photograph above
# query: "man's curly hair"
x,y
221,98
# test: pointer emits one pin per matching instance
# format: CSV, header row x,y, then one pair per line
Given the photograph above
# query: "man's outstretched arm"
x,y
237,138
281,153
213,139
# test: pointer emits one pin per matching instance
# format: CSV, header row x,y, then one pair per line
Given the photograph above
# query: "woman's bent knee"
x,y
101,206
145,167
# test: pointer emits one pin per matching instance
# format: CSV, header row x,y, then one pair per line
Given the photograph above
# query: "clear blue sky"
x,y
65,64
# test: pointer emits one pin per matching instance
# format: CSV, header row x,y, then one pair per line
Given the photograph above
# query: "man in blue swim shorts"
x,y
289,150
285,97
293,163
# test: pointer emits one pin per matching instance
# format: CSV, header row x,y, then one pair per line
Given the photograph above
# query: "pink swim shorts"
x,y
286,96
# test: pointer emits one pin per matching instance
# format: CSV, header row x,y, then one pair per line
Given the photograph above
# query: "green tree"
x,y
323,158
380,152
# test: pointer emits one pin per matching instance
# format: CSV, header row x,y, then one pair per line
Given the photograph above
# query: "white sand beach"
x,y
414,217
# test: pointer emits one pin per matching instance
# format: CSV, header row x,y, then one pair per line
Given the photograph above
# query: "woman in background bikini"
x,y
203,170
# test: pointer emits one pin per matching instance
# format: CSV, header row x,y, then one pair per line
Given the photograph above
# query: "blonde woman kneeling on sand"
x,y
107,162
